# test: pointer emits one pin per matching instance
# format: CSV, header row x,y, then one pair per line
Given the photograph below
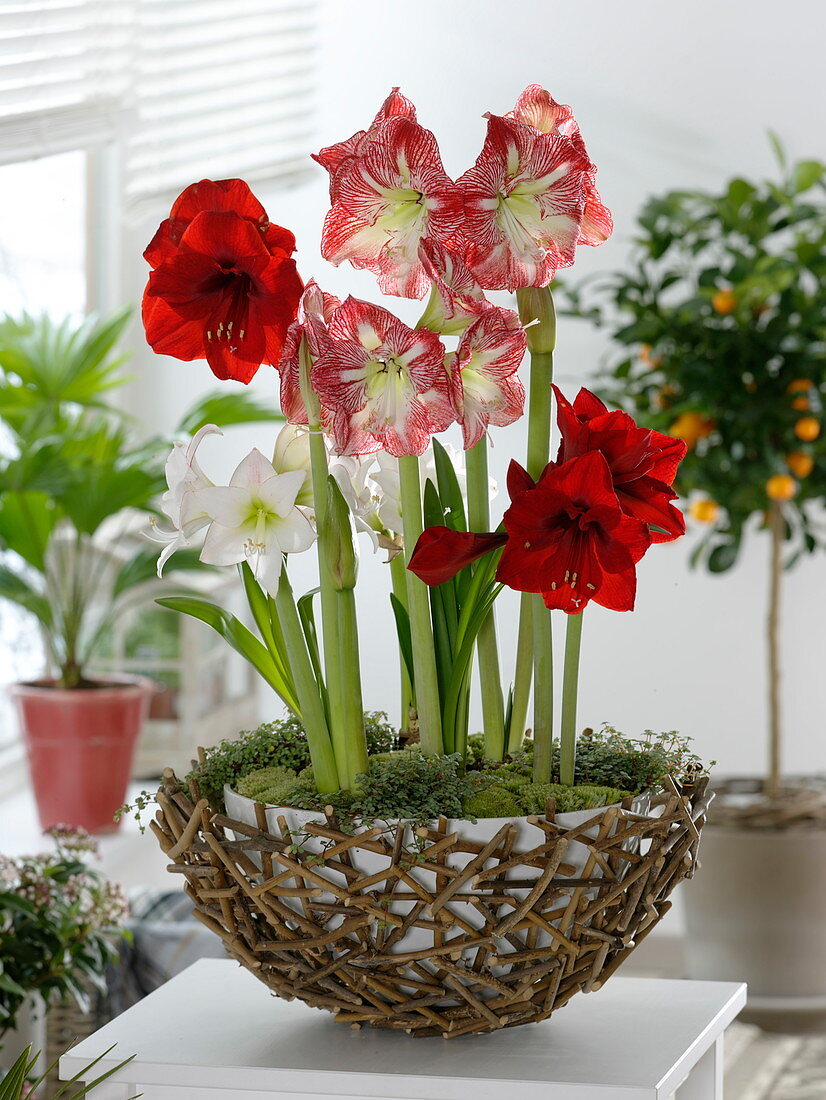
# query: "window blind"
x,y
63,75
220,88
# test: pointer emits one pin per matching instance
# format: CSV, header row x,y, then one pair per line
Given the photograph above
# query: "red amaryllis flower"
x,y
389,192
643,463
524,204
224,286
488,389
384,384
569,539
566,537
334,156
315,310
537,108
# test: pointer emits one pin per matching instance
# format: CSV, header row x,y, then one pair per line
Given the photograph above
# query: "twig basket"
x,y
504,933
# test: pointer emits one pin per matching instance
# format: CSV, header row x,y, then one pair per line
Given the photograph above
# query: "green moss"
x,y
493,802
280,744
533,796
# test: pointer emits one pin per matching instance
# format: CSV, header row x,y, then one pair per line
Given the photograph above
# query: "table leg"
x,y
705,1082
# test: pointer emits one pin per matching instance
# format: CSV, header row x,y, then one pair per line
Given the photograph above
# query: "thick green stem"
x,y
570,690
487,650
777,530
418,603
313,717
523,674
399,582
330,638
352,707
536,311
543,694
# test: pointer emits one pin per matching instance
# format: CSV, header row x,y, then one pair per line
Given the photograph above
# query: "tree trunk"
x,y
776,527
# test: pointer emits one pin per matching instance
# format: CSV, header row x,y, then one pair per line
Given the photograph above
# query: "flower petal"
x,y
441,553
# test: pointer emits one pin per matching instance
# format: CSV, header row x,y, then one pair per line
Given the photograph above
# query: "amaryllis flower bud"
x,y
224,286
338,538
389,192
383,384
488,390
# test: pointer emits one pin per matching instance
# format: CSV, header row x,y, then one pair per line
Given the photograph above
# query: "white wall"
x,y
668,94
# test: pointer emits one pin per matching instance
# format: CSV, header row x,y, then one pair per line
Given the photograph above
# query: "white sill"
x,y
128,856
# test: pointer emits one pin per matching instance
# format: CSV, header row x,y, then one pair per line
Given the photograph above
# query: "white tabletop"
x,y
216,1026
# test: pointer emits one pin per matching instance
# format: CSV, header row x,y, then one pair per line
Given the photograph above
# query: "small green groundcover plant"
x,y
271,765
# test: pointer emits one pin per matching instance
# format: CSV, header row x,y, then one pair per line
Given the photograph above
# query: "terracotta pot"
x,y
80,744
755,914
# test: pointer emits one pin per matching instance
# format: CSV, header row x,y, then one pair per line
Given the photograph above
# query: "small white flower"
x,y
184,477
354,477
255,519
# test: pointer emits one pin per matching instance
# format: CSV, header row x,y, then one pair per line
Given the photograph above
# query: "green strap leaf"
x,y
14,588
241,639
450,491
405,641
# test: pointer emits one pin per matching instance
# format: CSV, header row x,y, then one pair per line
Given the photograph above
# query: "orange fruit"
x,y
807,429
690,427
704,511
664,396
799,463
781,487
724,302
801,404
799,385
652,361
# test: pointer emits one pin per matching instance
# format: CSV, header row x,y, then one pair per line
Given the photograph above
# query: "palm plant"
x,y
78,483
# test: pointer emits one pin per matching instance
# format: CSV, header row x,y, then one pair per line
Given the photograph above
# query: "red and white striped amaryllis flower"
x,y
525,200
488,390
315,309
537,108
333,157
389,192
456,299
384,385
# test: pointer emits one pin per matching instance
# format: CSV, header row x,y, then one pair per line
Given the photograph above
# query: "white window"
x,y
109,108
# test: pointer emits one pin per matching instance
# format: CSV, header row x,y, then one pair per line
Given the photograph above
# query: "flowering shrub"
x,y
60,922
358,383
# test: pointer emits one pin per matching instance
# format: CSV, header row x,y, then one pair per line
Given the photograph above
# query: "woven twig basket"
x,y
511,932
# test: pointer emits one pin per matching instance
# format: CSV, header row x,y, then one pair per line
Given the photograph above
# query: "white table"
x,y
216,1033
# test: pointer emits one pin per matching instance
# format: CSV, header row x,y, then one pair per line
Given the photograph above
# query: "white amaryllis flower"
x,y
184,477
292,452
255,519
354,476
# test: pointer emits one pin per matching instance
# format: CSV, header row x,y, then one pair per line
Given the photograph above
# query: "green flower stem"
x,y
313,717
536,311
399,582
330,636
418,602
570,689
523,673
350,672
487,650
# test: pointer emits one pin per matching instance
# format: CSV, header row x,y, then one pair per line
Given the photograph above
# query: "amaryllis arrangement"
x,y
366,395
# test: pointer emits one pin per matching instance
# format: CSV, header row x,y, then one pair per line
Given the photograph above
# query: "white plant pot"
x,y
527,836
29,1031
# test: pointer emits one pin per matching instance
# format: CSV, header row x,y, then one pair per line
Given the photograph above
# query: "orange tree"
x,y
719,330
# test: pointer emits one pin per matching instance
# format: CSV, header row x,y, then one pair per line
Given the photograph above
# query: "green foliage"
x,y
278,744
74,467
60,922
412,785
720,326
19,1083
584,796
492,801
263,784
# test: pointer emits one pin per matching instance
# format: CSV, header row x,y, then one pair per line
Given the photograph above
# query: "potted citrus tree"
x,y
465,882
720,328
77,488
